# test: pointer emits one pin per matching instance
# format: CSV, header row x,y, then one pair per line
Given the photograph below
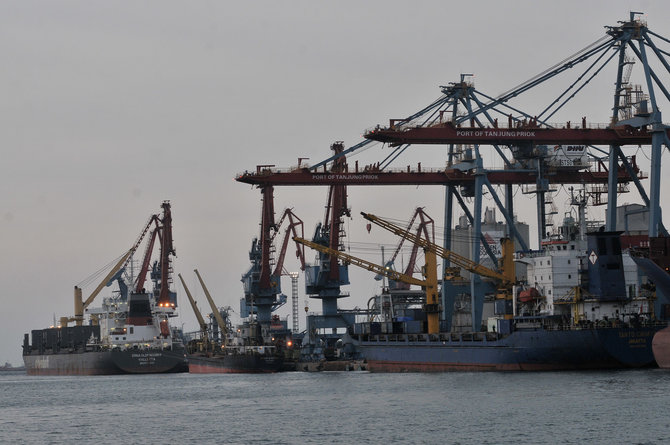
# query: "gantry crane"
x,y
325,279
262,282
464,114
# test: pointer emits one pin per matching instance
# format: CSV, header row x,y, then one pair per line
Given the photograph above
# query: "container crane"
x,y
429,272
262,282
325,278
526,133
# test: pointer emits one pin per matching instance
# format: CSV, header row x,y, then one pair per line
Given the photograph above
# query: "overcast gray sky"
x,y
108,108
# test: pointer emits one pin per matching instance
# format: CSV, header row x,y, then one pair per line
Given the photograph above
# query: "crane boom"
x,y
455,258
402,240
432,306
79,305
141,277
294,222
367,265
451,133
217,315
194,305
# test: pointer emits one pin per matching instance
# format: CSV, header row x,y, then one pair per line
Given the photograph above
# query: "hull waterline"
x,y
530,350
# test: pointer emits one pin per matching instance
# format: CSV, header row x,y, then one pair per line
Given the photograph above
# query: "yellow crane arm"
x,y
429,272
386,271
79,305
194,305
108,277
217,314
455,258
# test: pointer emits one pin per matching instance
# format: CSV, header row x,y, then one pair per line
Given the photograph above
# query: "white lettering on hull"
x,y
495,133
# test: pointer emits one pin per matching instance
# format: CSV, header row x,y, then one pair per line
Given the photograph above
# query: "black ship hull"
x,y
107,362
234,363
71,363
67,351
148,361
523,350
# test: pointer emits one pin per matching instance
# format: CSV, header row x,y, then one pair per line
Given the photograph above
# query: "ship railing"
x,y
443,337
370,169
484,337
530,254
600,324
404,125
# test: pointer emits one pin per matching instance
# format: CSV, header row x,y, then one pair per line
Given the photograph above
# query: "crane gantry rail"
x,y
448,133
372,176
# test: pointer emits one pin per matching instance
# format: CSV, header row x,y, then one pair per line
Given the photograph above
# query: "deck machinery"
x,y
529,146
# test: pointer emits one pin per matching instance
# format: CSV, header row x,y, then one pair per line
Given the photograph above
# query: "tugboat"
x,y
128,333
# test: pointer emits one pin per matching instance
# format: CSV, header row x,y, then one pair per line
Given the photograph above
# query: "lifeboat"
x,y
528,295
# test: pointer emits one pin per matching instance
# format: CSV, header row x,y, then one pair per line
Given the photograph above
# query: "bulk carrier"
x,y
129,333
580,308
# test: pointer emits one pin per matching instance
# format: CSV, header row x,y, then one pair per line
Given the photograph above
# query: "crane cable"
x,y
95,275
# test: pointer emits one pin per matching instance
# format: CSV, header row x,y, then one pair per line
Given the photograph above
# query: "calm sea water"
x,y
620,407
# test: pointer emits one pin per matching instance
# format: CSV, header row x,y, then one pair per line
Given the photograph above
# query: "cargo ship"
x,y
7,367
582,305
220,349
129,333
242,360
243,351
584,310
535,344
